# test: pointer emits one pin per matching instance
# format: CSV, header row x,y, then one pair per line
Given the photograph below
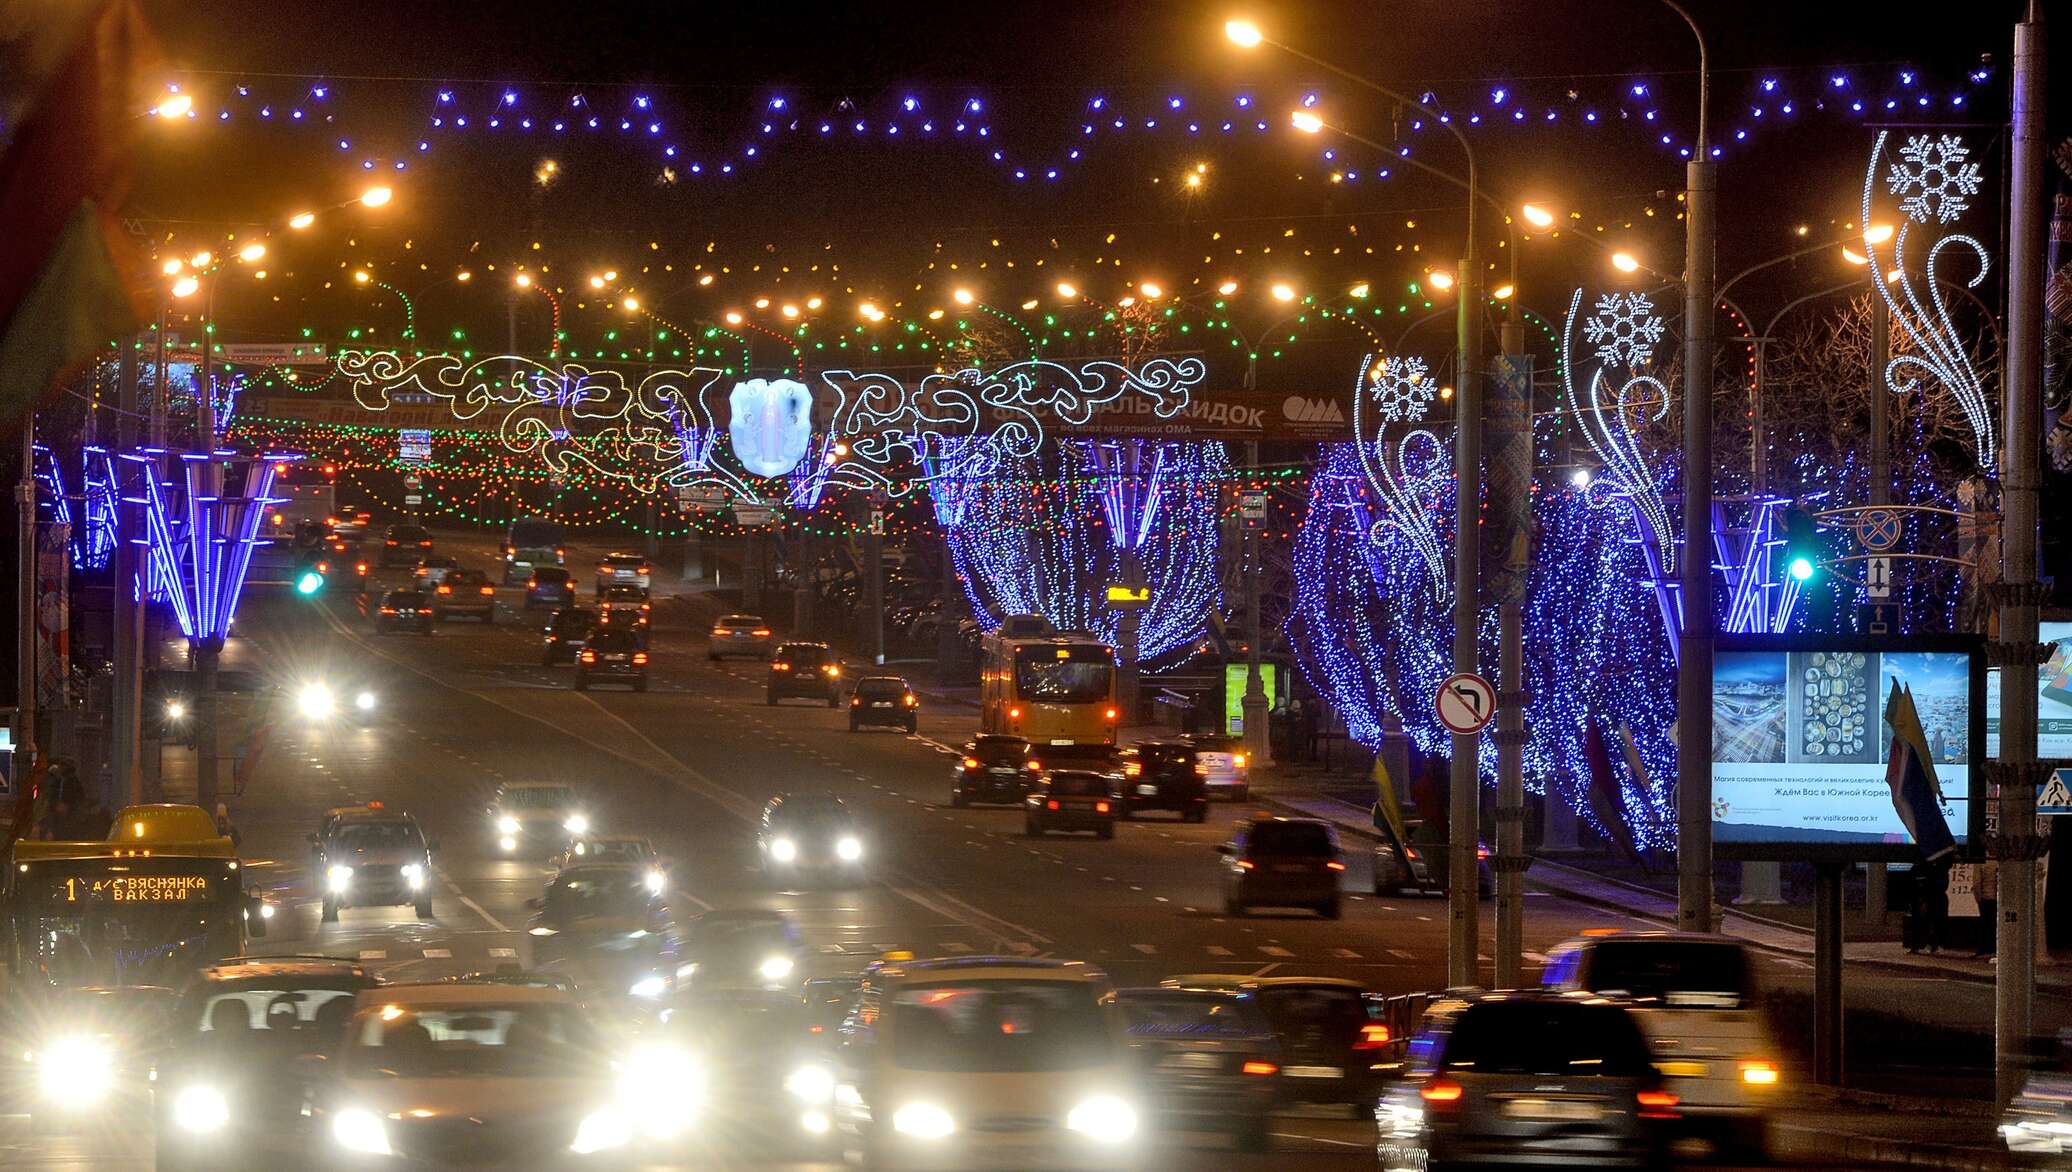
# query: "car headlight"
x,y
811,1083
602,1131
661,1089
339,878
414,874
1103,1117
576,824
200,1109
174,710
655,881
784,850
358,1130
507,843
507,825
315,700
364,701
775,968
76,1068
849,848
649,986
923,1121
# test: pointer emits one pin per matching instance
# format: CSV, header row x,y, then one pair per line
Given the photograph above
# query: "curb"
x,y
1859,1150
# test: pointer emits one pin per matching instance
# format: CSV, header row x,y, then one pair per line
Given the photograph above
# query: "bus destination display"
x,y
131,889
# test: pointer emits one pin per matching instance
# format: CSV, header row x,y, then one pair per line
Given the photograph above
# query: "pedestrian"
x,y
225,827
1927,909
1985,887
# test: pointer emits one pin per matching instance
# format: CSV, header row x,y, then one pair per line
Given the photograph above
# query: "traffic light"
x,y
309,581
1803,548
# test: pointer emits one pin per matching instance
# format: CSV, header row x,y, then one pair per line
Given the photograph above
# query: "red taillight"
x,y
643,569
780,665
589,657
391,541
360,568
1100,807
855,701
1481,852
445,589
719,632
1440,1090
1112,714
763,632
1657,1104
426,544
388,610
1246,864
1132,769
1051,804
971,763
1261,1068
489,590
1014,714
1335,865
910,701
560,552
1373,1036
1203,770
323,567
1035,766
532,583
640,657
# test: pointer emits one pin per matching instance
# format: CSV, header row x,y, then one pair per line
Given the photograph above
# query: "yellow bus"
x,y
162,896
1051,688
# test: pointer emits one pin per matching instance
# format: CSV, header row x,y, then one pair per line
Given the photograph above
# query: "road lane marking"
x,y
1401,954
470,904
1219,950
1265,969
1146,949
1345,954
504,953
1275,950
438,954
373,954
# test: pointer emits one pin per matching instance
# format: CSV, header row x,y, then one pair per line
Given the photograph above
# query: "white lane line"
x,y
1219,950
1345,954
470,904
438,954
1265,969
1275,950
1336,1143
702,905
373,954
504,953
1146,949
1401,954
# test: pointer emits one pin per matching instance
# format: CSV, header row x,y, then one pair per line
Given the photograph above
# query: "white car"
x,y
983,1062
740,634
1693,995
1223,765
623,569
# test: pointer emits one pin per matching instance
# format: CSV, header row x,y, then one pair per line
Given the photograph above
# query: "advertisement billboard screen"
x,y
1800,742
2053,698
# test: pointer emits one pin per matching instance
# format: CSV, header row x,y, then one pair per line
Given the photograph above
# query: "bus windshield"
x,y
1063,674
104,921
532,535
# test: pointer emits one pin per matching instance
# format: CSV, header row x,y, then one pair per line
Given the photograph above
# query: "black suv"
x,y
229,1091
809,670
404,610
405,544
885,701
615,654
994,769
372,857
565,635
1071,799
1164,775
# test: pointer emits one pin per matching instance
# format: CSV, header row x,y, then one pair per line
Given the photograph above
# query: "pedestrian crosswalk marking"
x,y
1274,950
1219,950
1146,949
373,954
508,953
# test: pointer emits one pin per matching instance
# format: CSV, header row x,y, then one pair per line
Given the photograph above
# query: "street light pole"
x,y
1695,636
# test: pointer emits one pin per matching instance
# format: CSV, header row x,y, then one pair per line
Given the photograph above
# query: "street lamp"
x,y
1243,33
377,196
1282,291
1306,121
1537,216
1625,262
301,220
176,106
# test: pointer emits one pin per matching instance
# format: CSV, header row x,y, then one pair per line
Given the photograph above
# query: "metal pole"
x,y
1255,704
126,770
1758,439
1827,974
1463,820
209,651
1694,638
158,392
874,600
1514,418
25,610
2014,987
1875,875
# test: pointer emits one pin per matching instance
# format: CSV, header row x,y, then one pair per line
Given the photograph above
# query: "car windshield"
x,y
544,797
738,622
622,594
880,688
369,836
512,1041
1004,1027
1299,839
622,560
1216,744
1185,1016
406,597
1000,750
615,851
1698,973
1165,755
1079,784
802,653
408,533
824,815
1302,1009
572,619
550,575
1064,675
306,1019
1546,1038
609,640
602,894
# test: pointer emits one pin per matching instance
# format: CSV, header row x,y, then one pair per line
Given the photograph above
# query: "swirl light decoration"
x,y
1935,181
1408,481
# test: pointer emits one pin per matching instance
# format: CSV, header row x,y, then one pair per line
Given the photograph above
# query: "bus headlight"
x,y
655,881
811,1083
76,1068
200,1109
577,824
923,1121
413,873
339,878
507,825
649,986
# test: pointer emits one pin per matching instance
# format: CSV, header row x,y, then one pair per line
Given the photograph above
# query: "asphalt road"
x,y
689,763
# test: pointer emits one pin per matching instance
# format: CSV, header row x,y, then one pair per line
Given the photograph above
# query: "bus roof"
x,y
162,829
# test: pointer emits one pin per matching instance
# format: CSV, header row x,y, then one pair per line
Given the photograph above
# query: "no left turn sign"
x,y
1465,703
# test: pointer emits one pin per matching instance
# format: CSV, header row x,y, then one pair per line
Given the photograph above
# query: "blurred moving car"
x,y
1422,863
1282,862
405,609
464,592
742,948
624,606
403,545
535,814
807,670
615,654
440,1075
739,634
768,1073
804,835
88,1052
1071,799
1225,768
431,571
2038,1120
565,634
372,857
1334,1041
1525,1079
612,848
1164,775
994,770
1693,996
608,926
884,701
623,569
1209,1060
985,1062
549,586
229,1093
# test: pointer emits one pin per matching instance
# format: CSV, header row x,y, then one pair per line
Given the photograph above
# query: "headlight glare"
x,y
339,878
364,701
655,881
200,1109
315,700
602,1131
849,848
775,968
76,1068
649,986
923,1121
811,1083
576,824
414,874
1103,1117
784,850
359,1130
507,825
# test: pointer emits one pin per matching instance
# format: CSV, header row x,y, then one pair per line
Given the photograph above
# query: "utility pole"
x,y
25,755
125,768
1510,474
1875,874
874,598
1694,639
2017,772
208,650
1464,788
1255,703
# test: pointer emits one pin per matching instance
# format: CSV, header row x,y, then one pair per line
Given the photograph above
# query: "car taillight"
x,y
1202,770
1246,864
489,590
560,552
1759,1072
388,610
855,701
1657,1104
1051,804
360,568
640,657
589,657
1373,1036
426,544
833,672
1014,714
1440,1090
780,665
1335,865
391,541
1132,769
1035,766
1238,760
910,701
1100,807
1261,1068
763,632
323,567
643,569
445,589
1112,714
720,632
1481,852
532,583
971,763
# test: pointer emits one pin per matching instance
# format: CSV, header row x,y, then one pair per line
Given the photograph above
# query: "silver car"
x,y
744,635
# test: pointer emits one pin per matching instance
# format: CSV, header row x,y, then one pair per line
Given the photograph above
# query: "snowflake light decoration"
x,y
1624,329
1401,389
1933,178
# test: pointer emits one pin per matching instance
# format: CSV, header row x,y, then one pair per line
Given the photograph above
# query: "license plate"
x,y
1061,740
1313,1071
1001,772
1681,1069
881,703
1563,1110
615,659
1147,791
1291,868
1190,1062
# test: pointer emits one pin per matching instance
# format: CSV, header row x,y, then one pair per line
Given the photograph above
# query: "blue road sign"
x,y
1878,530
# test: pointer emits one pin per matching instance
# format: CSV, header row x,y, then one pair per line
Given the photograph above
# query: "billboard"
x,y
2053,698
1800,743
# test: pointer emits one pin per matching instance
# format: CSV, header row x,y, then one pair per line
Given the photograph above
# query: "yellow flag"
x,y
1388,812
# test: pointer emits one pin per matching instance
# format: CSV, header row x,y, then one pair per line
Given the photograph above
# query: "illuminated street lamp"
x,y
1537,216
1625,262
1306,121
1282,291
176,106
1243,33
377,196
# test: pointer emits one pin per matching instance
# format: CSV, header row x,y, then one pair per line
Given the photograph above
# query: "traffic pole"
x,y
126,770
1464,783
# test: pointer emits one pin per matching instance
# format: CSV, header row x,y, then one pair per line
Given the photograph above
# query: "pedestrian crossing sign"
x,y
2056,796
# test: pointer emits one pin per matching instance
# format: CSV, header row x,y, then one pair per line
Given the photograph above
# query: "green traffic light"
x,y
309,583
1801,568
